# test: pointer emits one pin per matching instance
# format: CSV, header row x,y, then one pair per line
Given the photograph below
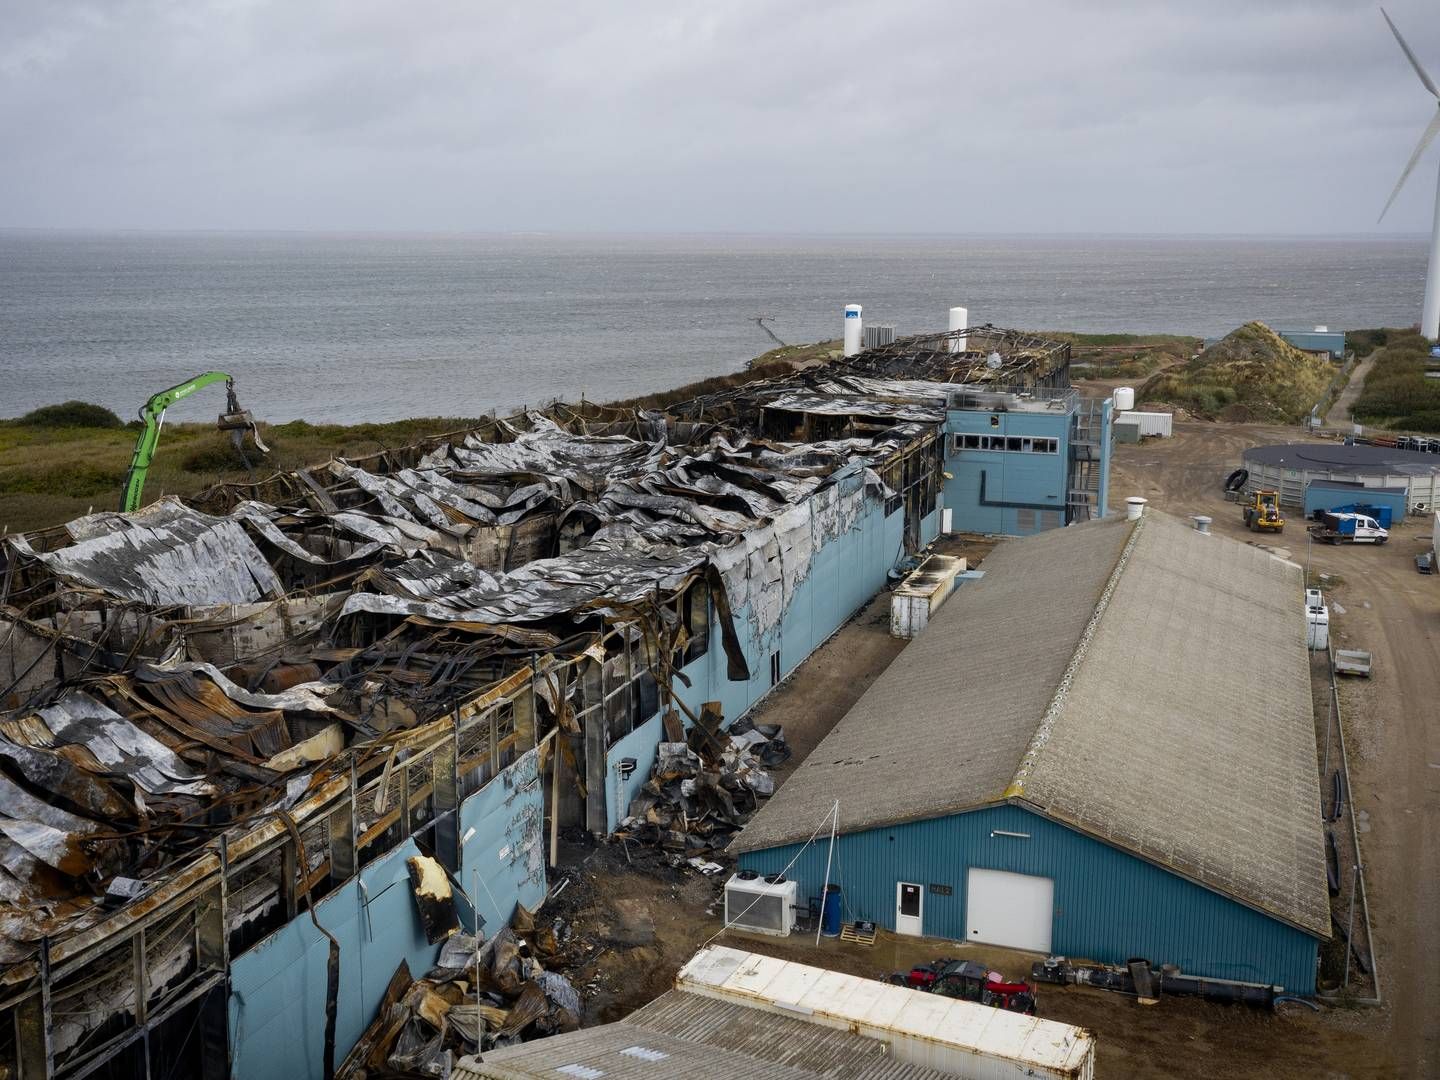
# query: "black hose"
x,y
1332,863
1337,796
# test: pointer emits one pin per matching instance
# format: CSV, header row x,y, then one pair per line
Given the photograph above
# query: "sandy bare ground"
x,y
1338,418
1382,605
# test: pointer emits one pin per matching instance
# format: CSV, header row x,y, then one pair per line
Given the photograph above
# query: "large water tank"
x,y
959,320
853,330
1124,398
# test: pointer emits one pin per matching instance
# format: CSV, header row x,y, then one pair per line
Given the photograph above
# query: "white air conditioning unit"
x,y
760,906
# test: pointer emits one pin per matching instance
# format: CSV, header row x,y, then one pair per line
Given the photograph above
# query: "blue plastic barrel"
x,y
830,913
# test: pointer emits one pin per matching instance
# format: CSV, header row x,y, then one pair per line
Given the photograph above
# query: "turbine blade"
x,y
1410,55
1426,138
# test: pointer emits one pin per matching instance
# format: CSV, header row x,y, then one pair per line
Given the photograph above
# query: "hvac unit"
x,y
1317,620
877,334
760,905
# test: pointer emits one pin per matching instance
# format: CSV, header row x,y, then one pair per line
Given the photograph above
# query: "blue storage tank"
x,y
1341,494
830,913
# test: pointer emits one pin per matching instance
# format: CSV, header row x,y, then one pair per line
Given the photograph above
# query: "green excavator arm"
x,y
152,415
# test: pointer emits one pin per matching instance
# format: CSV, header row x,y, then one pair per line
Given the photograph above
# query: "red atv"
x,y
968,981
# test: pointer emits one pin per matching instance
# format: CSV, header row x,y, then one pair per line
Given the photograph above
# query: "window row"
x,y
1011,444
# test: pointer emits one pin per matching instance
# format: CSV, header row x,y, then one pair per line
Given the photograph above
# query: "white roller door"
x,y
1014,910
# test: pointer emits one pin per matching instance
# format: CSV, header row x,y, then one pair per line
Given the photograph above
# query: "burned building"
x,y
229,722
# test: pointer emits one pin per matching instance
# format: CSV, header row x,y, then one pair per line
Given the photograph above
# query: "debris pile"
x,y
480,994
703,790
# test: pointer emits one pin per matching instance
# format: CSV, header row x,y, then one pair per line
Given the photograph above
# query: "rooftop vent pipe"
x,y
1134,507
853,331
959,320
1202,524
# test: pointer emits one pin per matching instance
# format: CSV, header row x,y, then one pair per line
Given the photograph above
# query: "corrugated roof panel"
x,y
912,1022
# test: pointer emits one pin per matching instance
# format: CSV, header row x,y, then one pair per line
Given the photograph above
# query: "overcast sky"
x,y
737,115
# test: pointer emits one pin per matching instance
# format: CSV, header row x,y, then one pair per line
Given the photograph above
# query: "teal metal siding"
x,y
1331,341
1109,906
277,989
1035,480
277,996
844,574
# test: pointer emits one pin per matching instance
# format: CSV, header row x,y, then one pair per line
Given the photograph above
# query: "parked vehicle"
x,y
1347,528
1262,512
968,981
1383,515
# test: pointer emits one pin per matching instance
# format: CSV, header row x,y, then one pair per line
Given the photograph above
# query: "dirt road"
x,y
1381,604
1338,418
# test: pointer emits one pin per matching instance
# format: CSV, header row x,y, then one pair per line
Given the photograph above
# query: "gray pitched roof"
x,y
1183,732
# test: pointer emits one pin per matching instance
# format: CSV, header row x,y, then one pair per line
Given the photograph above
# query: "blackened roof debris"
x,y
182,673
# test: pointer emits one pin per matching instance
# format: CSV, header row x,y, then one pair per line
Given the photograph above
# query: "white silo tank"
x,y
1124,398
959,320
853,330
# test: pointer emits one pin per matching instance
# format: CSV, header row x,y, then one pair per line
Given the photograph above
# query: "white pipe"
x,y
825,892
959,320
1430,320
853,333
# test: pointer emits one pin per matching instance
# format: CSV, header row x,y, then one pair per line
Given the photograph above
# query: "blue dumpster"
x,y
830,913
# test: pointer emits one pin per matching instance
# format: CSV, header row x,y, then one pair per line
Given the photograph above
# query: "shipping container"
x,y
961,1038
921,594
1150,423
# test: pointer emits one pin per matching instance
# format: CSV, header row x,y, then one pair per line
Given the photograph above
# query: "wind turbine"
x,y
1430,318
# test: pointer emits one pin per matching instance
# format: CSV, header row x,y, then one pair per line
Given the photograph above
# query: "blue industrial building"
x,y
1062,763
1021,463
1322,341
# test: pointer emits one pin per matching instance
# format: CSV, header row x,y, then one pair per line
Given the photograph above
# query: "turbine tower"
x,y
1430,318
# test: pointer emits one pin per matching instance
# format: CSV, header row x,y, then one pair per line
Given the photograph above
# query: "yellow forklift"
x,y
1262,512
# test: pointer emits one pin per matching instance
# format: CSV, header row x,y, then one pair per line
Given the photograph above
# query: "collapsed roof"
x,y
183,672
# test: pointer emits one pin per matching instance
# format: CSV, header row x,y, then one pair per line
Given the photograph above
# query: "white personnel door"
x,y
1014,910
909,909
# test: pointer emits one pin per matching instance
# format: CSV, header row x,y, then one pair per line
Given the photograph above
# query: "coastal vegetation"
x,y
1251,374
1125,356
1399,393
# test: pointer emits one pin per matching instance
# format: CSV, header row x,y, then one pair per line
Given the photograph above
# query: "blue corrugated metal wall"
x,y
1038,480
277,989
845,573
1109,906
277,1000
1320,495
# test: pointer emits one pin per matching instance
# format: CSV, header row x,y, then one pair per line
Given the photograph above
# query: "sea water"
x,y
346,328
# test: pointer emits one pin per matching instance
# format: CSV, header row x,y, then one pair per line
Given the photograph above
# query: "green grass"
x,y
1125,356
49,475
1397,395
